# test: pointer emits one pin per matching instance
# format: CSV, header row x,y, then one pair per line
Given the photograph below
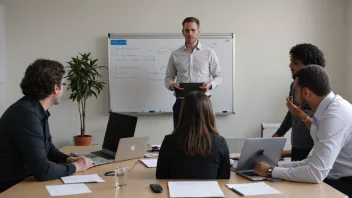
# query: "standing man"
x,y
26,148
331,130
192,63
299,118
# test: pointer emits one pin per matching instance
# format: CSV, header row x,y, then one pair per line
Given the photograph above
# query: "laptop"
x,y
131,148
187,88
119,126
257,150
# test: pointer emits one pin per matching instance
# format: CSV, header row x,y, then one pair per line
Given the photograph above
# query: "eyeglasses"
x,y
59,84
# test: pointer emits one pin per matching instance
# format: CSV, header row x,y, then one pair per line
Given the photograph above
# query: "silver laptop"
x,y
119,126
258,150
131,148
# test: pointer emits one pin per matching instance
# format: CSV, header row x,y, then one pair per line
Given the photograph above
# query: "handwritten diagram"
x,y
137,63
213,45
164,50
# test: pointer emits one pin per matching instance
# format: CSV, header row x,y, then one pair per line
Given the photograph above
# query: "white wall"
x,y
2,61
348,85
265,31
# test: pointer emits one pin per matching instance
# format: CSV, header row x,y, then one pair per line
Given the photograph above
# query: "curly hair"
x,y
40,77
314,78
308,54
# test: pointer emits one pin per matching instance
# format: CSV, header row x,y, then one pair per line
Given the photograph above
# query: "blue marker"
x,y
152,111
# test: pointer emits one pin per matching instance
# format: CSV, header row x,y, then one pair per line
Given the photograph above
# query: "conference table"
x,y
140,177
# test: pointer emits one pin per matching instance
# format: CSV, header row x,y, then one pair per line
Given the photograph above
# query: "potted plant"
x,y
83,82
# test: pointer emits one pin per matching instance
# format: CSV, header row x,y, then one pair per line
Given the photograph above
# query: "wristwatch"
x,y
270,171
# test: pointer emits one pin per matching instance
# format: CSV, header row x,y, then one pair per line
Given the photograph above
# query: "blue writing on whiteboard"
x,y
118,42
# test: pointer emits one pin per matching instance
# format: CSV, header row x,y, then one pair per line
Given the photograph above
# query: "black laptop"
x,y
119,126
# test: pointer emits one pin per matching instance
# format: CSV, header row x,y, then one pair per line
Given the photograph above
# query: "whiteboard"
x,y
137,67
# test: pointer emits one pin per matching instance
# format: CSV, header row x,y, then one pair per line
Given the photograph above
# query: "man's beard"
x,y
304,104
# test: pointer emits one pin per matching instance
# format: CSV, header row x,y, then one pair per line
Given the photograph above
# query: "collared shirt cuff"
x,y
278,172
213,85
169,84
289,165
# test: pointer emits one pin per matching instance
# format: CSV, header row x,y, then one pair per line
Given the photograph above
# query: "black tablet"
x,y
187,88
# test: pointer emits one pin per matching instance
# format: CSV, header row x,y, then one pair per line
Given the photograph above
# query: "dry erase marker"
x,y
236,191
152,111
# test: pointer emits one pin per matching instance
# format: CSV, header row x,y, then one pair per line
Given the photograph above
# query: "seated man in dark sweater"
x,y
194,150
25,141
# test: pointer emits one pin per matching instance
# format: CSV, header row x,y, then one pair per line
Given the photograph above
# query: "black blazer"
x,y
26,148
174,164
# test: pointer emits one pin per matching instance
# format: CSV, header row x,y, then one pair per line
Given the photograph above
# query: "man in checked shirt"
x,y
192,63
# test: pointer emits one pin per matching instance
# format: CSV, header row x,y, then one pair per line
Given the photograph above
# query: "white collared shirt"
x,y
201,65
331,156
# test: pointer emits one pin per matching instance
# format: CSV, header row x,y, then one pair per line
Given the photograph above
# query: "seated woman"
x,y
194,150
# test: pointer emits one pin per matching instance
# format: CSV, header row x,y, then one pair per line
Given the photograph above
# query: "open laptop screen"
x,y
119,126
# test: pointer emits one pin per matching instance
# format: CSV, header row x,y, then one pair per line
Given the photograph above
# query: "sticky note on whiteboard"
x,y
118,42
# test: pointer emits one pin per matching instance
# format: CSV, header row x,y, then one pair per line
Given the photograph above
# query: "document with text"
x,y
67,189
150,163
93,178
257,188
195,189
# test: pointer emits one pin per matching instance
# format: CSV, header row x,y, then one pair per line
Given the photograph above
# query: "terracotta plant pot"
x,y
82,141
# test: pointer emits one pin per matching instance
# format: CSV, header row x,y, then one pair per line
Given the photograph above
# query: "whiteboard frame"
x,y
172,36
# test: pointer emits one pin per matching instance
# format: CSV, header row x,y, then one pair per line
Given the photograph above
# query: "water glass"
x,y
121,176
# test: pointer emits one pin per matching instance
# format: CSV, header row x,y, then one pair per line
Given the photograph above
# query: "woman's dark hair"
x,y
40,77
196,124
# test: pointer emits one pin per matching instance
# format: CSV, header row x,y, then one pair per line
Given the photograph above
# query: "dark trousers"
x,y
299,154
343,185
176,111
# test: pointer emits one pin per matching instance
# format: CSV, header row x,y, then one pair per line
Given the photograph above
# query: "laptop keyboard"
x,y
90,156
249,173
103,155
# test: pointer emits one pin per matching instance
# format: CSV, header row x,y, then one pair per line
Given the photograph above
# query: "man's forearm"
x,y
57,156
285,125
308,122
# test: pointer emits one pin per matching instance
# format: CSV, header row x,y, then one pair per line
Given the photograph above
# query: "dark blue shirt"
x,y
26,147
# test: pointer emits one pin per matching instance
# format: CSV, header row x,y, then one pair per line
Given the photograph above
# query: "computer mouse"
x,y
156,188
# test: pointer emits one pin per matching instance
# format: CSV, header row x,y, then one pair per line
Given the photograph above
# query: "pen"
x,y
238,192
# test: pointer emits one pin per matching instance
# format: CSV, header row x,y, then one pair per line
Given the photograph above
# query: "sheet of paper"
x,y
149,155
257,188
195,189
82,179
67,189
150,163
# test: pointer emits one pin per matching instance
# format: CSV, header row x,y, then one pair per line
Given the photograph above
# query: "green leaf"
x,y
82,77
